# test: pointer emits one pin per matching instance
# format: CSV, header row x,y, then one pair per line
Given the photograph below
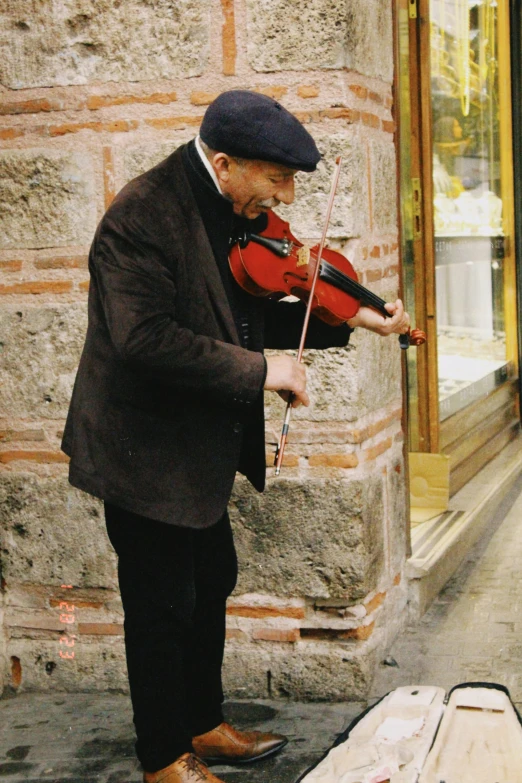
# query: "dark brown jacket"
x,y
164,392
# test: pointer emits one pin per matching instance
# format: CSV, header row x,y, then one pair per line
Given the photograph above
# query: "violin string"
x,y
338,279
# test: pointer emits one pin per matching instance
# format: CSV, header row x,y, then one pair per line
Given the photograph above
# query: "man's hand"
x,y
286,376
370,319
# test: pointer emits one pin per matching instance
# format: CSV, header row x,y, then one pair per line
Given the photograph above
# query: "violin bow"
x,y
278,460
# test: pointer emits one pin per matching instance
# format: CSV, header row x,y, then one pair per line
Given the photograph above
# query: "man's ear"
x,y
221,165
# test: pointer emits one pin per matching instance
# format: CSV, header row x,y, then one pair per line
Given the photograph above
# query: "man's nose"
x,y
285,191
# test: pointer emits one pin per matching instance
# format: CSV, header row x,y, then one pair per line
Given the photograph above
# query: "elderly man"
x,y
168,405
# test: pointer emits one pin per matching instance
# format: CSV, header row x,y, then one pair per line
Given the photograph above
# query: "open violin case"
x,y
417,734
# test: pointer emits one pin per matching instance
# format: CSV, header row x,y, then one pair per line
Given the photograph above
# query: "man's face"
x,y
254,186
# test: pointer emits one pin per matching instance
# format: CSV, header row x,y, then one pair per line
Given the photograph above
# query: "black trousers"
x,y
174,583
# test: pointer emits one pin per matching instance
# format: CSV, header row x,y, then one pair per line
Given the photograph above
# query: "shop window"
x,y
470,245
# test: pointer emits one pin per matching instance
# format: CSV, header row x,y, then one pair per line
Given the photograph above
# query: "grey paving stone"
x,y
473,631
87,738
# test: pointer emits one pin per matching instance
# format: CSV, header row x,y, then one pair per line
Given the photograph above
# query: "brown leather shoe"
x,y
226,745
187,769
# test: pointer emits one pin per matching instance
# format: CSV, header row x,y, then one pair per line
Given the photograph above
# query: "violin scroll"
x,y
414,337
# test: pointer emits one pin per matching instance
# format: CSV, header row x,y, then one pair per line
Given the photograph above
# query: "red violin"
x,y
275,262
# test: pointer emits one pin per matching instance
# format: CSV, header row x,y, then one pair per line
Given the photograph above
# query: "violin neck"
x,y
330,274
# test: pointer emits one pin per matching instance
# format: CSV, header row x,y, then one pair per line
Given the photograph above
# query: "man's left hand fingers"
x,y
399,323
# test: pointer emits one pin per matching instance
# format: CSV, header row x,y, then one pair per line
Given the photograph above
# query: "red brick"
x,y
258,612
235,633
95,102
202,98
33,456
276,635
40,621
172,123
359,90
100,629
61,262
11,133
116,126
275,92
333,460
376,451
364,632
16,672
382,424
308,91
374,603
397,579
109,177
341,113
305,117
84,286
360,435
322,634
28,107
37,287
375,251
375,97
388,126
371,120
17,435
10,266
289,460
334,634
228,38
373,275
392,271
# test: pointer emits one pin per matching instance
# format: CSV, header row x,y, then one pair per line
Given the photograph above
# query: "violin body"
x,y
262,272
275,263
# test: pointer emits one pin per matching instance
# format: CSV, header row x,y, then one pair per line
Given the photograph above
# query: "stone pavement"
x,y
473,631
83,738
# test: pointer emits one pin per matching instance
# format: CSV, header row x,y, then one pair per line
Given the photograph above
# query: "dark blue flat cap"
x,y
249,125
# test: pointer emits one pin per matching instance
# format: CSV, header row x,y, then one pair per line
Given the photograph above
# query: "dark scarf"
x,y
221,224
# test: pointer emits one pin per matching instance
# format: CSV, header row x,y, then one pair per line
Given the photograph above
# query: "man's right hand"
x,y
287,376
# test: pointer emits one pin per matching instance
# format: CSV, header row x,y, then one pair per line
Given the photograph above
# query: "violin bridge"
x,y
303,256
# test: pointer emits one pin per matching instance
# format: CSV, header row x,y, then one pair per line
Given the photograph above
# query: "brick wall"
x,y
91,96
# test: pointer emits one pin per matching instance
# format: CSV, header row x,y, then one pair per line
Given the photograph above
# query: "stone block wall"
x,y
92,94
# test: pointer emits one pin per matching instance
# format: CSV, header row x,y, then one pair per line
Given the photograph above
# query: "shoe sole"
x,y
233,762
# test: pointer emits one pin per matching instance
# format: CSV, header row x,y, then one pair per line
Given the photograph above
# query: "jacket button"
x,y
237,426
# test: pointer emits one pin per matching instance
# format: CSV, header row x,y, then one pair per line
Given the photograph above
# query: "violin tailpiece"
x,y
281,247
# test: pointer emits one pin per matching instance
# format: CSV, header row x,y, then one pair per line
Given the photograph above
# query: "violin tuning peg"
x,y
404,341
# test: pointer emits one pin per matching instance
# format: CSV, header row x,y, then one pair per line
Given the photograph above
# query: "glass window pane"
x,y
469,237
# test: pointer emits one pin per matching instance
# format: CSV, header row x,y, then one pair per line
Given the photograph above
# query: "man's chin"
x,y
253,212
261,208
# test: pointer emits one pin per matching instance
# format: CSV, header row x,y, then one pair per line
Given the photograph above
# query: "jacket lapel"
x,y
215,288
203,255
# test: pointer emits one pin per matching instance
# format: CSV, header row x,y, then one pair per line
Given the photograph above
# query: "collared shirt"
x,y
207,164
